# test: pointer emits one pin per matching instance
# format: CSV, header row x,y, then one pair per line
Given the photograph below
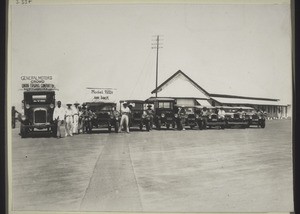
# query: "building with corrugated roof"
x,y
189,93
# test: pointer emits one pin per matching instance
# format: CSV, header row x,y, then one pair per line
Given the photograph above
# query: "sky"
x,y
229,49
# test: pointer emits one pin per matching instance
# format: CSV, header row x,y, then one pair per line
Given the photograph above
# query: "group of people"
x,y
125,114
69,117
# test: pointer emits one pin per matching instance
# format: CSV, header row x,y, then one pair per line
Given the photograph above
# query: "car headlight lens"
x,y
23,117
176,115
108,113
27,106
163,115
209,116
197,116
143,116
51,105
250,117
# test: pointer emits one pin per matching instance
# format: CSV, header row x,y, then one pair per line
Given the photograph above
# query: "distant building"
x,y
187,92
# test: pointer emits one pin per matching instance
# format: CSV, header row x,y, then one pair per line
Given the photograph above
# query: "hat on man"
x,y
69,104
125,103
149,105
76,103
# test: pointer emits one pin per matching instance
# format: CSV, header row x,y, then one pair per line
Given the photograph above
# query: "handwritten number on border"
x,y
23,1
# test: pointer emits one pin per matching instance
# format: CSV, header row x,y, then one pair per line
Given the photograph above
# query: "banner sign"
x,y
101,95
38,83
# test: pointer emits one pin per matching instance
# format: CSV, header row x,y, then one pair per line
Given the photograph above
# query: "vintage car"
x,y
138,116
236,117
38,112
191,118
213,119
254,117
164,112
102,115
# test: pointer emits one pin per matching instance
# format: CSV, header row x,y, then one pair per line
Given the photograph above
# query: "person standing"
x,y
150,114
69,120
221,113
205,115
182,115
59,117
125,111
76,118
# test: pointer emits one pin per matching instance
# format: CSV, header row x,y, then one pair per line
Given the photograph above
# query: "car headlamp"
x,y
27,106
111,116
23,117
176,115
163,115
108,113
197,116
209,116
51,105
250,117
143,116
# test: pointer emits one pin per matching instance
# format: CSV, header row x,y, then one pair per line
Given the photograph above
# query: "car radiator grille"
x,y
103,116
40,116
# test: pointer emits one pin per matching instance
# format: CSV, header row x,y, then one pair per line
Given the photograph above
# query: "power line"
x,y
156,46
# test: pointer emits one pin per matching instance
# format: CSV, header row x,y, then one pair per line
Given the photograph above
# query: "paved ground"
x,y
227,170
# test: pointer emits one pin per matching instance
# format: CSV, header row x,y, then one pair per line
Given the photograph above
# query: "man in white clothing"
x,y
69,120
221,112
76,118
59,116
125,111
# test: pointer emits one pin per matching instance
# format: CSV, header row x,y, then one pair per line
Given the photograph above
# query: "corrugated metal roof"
x,y
247,101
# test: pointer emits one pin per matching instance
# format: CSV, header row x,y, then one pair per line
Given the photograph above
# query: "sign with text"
x,y
36,82
101,95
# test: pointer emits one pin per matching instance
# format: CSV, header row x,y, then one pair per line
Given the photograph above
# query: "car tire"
x,y
141,127
109,129
168,126
192,127
148,126
158,125
173,125
22,131
263,125
117,125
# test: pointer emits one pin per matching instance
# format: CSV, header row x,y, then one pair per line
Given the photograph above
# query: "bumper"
x,y
216,123
41,126
237,122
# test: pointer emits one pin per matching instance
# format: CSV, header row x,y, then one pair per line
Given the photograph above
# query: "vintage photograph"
x,y
146,106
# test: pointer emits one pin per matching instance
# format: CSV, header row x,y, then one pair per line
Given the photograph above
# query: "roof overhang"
x,y
239,101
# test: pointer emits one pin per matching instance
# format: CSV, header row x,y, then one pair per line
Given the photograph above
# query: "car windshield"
x,y
189,110
39,98
137,106
101,108
165,105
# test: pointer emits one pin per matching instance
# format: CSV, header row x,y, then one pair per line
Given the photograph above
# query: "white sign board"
x,y
101,95
36,82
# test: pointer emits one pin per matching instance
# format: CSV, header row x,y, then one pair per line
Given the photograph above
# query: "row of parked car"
x,y
39,105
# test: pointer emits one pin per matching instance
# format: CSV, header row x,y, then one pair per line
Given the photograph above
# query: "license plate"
x,y
214,120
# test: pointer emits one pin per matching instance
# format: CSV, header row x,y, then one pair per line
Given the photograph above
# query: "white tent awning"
x,y
204,102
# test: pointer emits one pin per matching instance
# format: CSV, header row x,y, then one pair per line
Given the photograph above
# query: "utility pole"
x,y
156,46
